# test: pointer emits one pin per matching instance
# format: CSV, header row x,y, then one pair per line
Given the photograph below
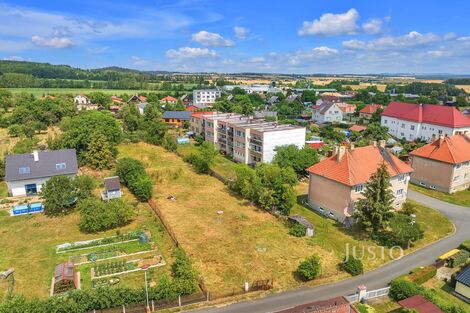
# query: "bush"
x,y
465,245
96,215
59,195
352,266
132,173
422,275
85,185
309,268
297,230
404,230
458,258
401,289
185,275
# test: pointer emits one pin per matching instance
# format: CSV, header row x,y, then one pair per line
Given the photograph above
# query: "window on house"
x,y
402,125
401,177
412,127
432,187
331,215
422,184
358,188
440,131
465,176
399,192
24,170
458,165
385,121
456,178
60,166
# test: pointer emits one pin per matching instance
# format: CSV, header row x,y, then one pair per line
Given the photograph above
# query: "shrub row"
x,y
459,258
422,275
401,289
465,245
96,215
132,174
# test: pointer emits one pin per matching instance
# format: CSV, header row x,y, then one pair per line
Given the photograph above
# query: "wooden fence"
x,y
167,226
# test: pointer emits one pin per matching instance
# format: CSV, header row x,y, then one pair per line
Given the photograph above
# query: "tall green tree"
x,y
58,194
298,159
98,154
375,210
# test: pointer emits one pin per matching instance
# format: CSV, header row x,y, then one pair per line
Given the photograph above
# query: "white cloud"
x,y
410,40
373,26
190,53
13,58
331,24
139,60
206,38
241,32
53,42
301,56
256,60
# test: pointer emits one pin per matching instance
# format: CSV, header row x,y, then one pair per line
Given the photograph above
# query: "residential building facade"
x,y
206,96
26,173
81,99
412,121
176,118
197,123
327,112
249,140
443,164
345,175
168,100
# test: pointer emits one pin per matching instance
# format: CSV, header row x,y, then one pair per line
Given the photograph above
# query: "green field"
x,y
459,198
39,92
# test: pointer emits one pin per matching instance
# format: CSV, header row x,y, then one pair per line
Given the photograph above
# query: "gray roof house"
x,y
112,188
462,286
26,173
180,115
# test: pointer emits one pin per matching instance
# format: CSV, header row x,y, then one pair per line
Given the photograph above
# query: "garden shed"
x,y
112,188
309,228
65,277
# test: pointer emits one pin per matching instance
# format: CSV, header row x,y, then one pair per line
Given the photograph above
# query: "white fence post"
x,y
123,308
153,306
179,300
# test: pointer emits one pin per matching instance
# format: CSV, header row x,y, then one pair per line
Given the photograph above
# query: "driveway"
x,y
375,279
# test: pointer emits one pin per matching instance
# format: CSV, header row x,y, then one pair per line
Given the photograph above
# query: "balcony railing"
x,y
256,141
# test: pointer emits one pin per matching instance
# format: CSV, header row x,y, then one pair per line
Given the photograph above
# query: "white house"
x,y
327,112
206,96
81,99
412,121
26,173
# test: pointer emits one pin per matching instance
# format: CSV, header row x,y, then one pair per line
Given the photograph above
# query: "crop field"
x,y
39,92
227,246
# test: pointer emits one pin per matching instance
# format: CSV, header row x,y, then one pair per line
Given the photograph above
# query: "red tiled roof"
x,y
191,108
454,149
427,113
169,99
333,305
199,114
357,128
316,145
142,98
421,304
358,165
370,108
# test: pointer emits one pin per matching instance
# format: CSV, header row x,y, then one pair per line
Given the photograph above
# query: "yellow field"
x,y
466,88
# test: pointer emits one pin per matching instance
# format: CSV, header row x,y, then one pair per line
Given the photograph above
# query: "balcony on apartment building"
x,y
256,141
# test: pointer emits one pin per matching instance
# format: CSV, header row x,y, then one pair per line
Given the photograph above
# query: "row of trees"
x,y
132,174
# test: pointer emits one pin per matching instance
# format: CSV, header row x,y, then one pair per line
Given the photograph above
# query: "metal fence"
x,y
369,294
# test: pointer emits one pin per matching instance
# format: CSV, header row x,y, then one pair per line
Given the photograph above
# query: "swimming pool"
x,y
21,209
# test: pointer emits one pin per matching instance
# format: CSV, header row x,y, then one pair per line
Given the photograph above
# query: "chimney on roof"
x,y
352,146
374,143
382,143
341,152
36,156
441,139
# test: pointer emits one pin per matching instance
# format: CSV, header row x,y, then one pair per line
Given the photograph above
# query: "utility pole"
x,y
146,291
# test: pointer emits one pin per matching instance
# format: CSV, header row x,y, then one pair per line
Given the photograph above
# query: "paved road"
x,y
375,279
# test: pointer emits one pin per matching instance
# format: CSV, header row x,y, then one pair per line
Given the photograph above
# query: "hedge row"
x,y
465,245
402,289
132,173
422,275
460,257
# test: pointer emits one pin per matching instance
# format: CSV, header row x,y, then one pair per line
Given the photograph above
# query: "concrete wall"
x,y
273,139
441,176
463,290
17,188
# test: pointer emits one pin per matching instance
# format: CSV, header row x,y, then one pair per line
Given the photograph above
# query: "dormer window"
x,y
359,188
24,170
60,166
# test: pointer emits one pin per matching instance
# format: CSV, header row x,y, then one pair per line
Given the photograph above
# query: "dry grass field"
x,y
464,87
245,243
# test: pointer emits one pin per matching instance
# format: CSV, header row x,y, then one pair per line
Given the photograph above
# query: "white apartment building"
x,y
412,121
249,140
205,96
327,112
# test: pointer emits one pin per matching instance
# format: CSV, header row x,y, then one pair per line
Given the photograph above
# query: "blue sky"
x,y
309,36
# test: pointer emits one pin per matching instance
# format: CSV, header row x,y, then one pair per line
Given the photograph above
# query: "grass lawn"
x,y
3,189
39,92
28,245
227,247
443,290
459,198
382,305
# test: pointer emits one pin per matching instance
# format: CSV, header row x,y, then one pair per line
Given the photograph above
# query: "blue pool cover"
x,y
25,208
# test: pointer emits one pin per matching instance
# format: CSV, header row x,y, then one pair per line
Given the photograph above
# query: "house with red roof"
x,y
412,121
333,305
169,100
367,111
327,112
443,164
420,304
191,108
197,123
345,175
